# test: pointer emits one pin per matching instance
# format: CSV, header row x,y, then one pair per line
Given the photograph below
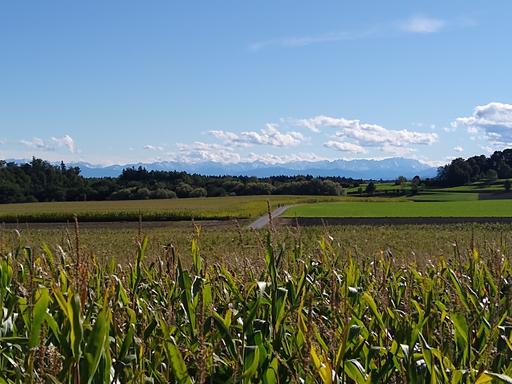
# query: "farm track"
x,y
264,220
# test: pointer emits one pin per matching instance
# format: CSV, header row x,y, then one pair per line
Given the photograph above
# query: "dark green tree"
x,y
370,188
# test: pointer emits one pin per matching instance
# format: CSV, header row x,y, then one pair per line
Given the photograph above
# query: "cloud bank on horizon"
x,y
298,139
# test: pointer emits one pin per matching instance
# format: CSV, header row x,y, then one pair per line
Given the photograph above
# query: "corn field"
x,y
323,316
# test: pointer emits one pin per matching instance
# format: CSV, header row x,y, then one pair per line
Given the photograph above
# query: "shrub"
x,y
198,192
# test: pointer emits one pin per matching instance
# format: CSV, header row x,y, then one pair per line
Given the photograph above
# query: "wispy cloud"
x,y
415,24
270,158
65,141
301,41
35,142
155,148
423,24
397,150
198,151
487,149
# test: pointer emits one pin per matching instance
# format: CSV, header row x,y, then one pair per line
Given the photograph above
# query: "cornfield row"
x,y
320,317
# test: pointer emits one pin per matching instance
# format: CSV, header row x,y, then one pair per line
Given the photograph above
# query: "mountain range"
x,y
386,169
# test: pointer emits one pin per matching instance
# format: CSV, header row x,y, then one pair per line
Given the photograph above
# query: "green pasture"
x,y
432,195
477,187
380,187
487,208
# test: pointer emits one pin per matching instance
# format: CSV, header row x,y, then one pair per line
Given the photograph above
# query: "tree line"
x,y
462,171
39,180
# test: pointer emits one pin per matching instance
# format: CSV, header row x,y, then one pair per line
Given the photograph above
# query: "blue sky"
x,y
229,81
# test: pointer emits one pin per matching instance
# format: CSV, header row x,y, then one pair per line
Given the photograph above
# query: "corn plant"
x,y
324,316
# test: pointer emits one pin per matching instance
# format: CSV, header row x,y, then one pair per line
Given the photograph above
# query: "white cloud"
x,y
495,119
458,148
422,24
301,41
472,130
270,158
414,24
371,134
432,163
396,150
345,147
36,143
157,148
229,138
270,135
356,136
224,135
306,123
65,141
199,152
488,149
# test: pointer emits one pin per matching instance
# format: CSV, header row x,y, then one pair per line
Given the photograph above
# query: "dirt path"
x,y
263,220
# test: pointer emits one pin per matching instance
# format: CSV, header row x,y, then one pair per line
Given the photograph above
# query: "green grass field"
x,y
444,196
486,186
380,187
478,187
488,208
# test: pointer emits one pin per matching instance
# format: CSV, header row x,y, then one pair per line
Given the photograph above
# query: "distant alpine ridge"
x,y
386,169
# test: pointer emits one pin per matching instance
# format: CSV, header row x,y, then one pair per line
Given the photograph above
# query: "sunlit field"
x,y
321,304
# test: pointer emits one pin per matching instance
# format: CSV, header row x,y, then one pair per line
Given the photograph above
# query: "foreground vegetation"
x,y
304,307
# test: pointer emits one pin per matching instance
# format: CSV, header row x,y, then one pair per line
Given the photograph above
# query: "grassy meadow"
x,y
487,208
433,195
